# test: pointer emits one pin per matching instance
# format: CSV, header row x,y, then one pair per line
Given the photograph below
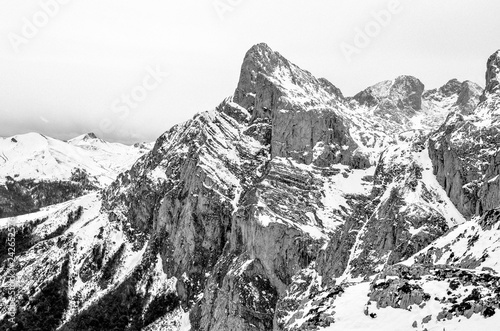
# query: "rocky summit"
x,y
287,207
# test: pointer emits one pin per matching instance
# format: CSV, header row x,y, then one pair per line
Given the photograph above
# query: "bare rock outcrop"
x,y
304,110
464,151
397,99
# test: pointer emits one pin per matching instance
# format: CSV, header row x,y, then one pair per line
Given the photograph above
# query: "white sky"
x,y
65,79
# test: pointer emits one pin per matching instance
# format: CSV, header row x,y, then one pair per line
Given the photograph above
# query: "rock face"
x,y
492,75
399,98
462,97
269,82
287,207
303,110
318,136
405,102
464,154
452,87
184,191
468,98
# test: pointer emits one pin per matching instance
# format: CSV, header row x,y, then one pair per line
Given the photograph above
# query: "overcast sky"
x,y
101,65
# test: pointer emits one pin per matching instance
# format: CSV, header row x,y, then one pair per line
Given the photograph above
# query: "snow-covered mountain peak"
x,y
92,141
27,138
37,157
454,96
453,86
401,94
269,82
91,135
88,137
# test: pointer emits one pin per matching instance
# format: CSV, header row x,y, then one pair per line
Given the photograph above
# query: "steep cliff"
x,y
464,151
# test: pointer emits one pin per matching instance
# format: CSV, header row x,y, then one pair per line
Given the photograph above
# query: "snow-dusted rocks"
x,y
492,74
269,82
398,99
454,95
305,112
464,152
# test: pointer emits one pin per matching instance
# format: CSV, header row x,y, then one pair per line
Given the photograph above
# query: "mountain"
x,y
37,171
404,100
287,207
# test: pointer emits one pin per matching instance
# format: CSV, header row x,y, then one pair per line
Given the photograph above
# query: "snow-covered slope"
x,y
355,312
75,247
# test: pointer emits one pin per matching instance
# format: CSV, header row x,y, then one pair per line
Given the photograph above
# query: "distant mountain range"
x,y
36,170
